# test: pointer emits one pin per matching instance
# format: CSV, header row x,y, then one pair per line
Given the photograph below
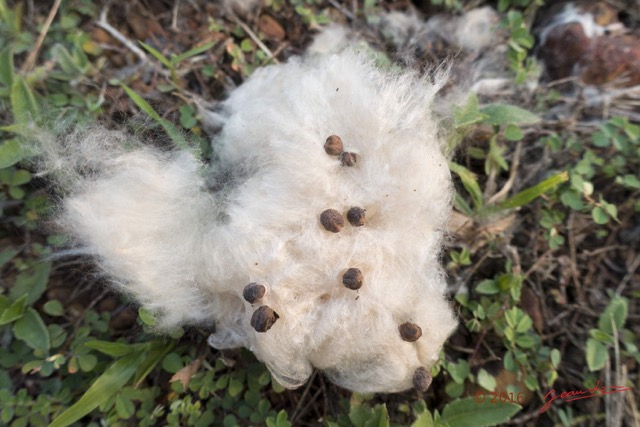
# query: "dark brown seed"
x,y
333,146
263,319
253,292
353,278
332,220
422,380
356,216
348,159
410,331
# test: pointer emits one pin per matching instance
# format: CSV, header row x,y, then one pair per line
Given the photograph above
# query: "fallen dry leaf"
x,y
271,28
184,375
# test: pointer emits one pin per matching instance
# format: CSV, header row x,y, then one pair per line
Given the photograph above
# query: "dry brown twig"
x,y
627,278
254,37
303,397
102,23
512,176
174,16
33,55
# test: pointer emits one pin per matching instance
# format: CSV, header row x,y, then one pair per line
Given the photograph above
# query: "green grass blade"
x,y
113,349
462,206
159,349
173,132
109,383
525,196
192,52
156,53
470,183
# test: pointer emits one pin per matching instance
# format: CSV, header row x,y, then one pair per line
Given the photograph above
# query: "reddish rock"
x,y
613,60
586,40
565,46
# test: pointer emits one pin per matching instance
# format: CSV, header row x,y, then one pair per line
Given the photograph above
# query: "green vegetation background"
x,y
542,263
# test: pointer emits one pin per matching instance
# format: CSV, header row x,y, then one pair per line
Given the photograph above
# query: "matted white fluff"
x,y
187,252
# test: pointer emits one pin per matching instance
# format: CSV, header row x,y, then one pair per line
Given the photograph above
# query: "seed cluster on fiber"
x,y
264,317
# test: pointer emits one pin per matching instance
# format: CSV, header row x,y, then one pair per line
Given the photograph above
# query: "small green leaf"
x,y
495,156
172,363
53,308
630,181
468,114
526,196
510,362
32,366
57,335
222,382
469,181
601,336
486,380
425,419
454,389
87,362
109,383
572,199
230,420
596,355
468,413
524,324
599,215
555,358
487,287
513,132
632,131
187,118
7,255
124,407
10,153
68,64
531,382
16,193
147,317
611,210
459,371
14,311
20,177
504,114
600,139
24,105
31,282
31,329
246,45
525,341
235,387
616,312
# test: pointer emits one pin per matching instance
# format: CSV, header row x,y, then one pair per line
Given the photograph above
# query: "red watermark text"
x,y
570,396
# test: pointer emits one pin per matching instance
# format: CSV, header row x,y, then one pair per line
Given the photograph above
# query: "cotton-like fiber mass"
x,y
310,253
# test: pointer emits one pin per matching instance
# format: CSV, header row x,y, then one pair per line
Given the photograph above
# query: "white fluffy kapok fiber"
x,y
340,244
